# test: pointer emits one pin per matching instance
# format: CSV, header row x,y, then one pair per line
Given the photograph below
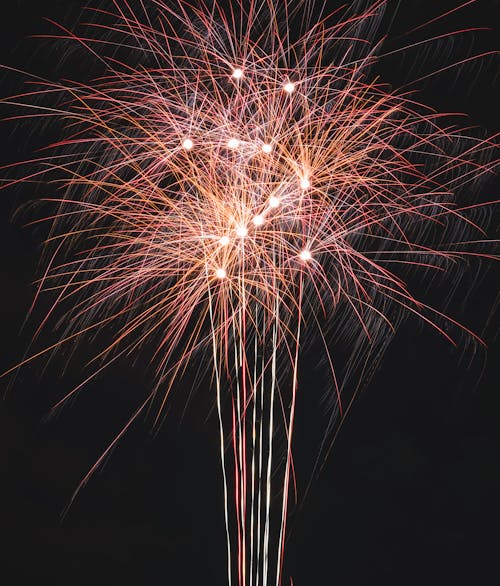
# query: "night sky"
x,y
410,494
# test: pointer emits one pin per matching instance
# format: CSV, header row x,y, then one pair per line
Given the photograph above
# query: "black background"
x,y
410,493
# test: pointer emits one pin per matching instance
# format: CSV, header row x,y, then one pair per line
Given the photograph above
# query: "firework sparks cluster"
x,y
235,192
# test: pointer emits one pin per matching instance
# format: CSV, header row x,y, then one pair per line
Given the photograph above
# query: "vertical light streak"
x,y
274,345
237,432
261,449
286,483
254,437
222,436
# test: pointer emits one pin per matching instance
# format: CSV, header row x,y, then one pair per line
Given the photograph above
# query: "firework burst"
x,y
232,188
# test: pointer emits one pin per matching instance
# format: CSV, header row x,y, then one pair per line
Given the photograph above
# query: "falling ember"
x,y
305,255
233,143
143,236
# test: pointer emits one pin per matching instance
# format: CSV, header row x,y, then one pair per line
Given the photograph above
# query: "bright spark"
x,y
233,143
237,73
221,273
267,147
289,87
187,144
274,201
258,220
305,183
241,231
305,255
224,240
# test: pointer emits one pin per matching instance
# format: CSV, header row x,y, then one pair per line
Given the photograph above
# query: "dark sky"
x,y
410,494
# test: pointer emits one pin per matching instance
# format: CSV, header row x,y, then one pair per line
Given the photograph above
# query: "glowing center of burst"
x,y
233,143
224,240
267,147
305,183
188,144
289,87
305,255
221,273
237,73
274,201
258,220
241,231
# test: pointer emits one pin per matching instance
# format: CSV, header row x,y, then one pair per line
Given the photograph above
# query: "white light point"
x,y
224,240
289,87
221,273
241,231
267,147
187,144
305,255
258,220
305,183
233,143
274,201
237,73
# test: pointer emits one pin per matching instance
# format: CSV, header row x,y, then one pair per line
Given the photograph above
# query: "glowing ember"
x,y
305,255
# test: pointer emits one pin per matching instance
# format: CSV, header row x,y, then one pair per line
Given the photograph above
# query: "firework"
x,y
232,187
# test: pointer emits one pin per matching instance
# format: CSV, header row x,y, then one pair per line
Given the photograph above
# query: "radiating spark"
x,y
241,231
